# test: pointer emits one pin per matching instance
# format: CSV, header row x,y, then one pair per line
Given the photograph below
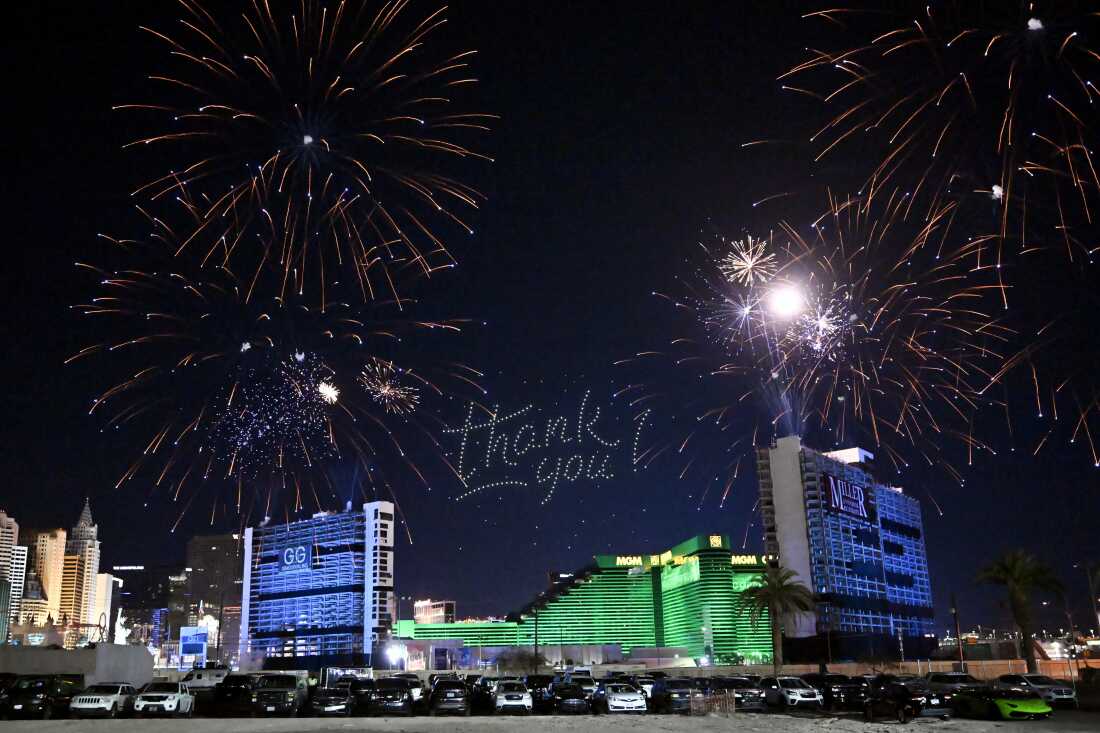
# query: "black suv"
x,y
38,696
278,694
392,695
449,696
673,695
233,695
838,691
539,686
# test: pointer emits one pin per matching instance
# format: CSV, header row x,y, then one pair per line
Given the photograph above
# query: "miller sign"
x,y
846,497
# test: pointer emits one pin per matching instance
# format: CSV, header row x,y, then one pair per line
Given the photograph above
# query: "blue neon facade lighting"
x,y
318,592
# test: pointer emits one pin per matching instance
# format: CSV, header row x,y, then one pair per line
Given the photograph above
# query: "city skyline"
x,y
593,204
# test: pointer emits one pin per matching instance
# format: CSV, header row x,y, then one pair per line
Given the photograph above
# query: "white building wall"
x,y
17,575
379,602
49,563
792,542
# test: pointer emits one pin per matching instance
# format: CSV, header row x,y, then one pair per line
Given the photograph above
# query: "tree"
x,y
1021,574
775,592
520,659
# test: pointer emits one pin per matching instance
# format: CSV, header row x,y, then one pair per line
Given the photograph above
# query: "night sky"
x,y
620,142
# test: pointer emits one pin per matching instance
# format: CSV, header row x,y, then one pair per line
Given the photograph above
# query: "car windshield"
x,y
103,690
511,687
570,690
455,685
677,683
237,680
582,680
278,680
645,680
362,685
954,678
30,683
392,684
539,680
334,691
834,679
1016,695
792,683
733,683
162,687
620,689
1040,679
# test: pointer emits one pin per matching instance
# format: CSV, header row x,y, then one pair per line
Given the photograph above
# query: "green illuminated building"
x,y
685,597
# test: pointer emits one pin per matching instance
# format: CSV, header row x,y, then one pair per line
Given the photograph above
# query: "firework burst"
x,y
748,262
315,148
990,102
263,396
872,329
379,379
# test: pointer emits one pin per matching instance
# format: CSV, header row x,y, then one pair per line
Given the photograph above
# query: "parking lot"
x,y
1064,722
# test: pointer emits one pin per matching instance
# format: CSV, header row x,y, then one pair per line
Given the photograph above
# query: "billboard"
x,y
296,557
193,640
847,498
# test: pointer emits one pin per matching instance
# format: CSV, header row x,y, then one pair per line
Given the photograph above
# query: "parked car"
x,y
1051,690
332,701
449,696
107,699
164,698
362,695
891,699
585,682
513,697
541,694
233,695
618,697
673,695
933,704
1000,704
38,696
746,694
570,698
790,692
838,691
392,695
279,694
951,683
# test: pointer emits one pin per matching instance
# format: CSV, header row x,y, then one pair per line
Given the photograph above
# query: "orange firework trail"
x,y
315,149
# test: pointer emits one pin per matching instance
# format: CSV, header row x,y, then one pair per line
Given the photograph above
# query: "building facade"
x,y
428,611
318,592
215,563
82,544
47,558
857,543
9,541
17,576
686,597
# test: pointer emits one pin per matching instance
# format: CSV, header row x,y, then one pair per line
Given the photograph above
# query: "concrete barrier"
x,y
102,663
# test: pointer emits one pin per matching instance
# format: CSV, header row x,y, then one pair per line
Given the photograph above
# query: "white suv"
x,y
1051,690
109,699
790,692
165,698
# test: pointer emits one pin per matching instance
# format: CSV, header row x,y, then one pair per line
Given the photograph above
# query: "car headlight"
x,y
290,696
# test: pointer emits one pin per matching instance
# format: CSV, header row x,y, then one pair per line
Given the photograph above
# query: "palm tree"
x,y
1021,574
775,592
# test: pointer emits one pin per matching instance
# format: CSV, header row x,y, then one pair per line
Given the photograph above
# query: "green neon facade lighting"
x,y
685,597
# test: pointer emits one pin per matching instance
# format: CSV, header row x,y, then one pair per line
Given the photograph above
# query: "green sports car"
x,y
1000,704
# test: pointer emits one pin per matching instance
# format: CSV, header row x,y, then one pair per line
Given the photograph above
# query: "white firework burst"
x,y
748,262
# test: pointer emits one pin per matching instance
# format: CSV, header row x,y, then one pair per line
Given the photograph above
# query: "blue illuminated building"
x,y
858,543
318,592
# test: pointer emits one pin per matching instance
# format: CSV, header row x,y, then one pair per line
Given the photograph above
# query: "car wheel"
x,y
903,715
431,712
47,713
992,712
466,712
868,713
113,712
